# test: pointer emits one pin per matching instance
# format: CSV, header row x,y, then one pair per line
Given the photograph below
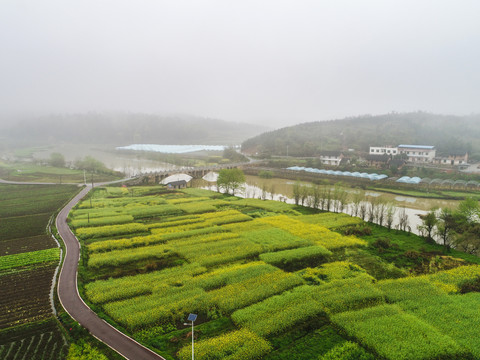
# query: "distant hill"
x,y
448,133
127,128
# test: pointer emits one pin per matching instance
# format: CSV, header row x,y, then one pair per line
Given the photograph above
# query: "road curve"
x,y
73,303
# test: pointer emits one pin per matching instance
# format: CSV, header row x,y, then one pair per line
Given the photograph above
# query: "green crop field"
x,y
28,259
267,280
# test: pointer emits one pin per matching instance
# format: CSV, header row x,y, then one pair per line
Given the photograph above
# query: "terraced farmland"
x,y
267,280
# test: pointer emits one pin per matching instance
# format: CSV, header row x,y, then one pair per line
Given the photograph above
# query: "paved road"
x,y
74,305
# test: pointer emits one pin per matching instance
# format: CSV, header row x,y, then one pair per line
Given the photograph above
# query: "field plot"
x,y
41,340
27,264
264,280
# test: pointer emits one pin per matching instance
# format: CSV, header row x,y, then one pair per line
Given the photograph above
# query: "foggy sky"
x,y
266,61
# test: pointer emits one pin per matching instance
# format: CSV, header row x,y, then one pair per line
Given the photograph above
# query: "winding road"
x,y
75,306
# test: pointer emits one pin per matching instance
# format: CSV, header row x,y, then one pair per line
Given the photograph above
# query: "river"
x,y
282,190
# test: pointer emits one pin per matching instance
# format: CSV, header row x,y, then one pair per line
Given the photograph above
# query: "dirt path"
x,y
73,303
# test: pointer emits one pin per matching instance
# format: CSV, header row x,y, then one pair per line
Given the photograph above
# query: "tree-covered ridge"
x,y
450,134
128,128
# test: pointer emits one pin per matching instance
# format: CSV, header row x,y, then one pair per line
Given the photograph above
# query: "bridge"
x,y
195,172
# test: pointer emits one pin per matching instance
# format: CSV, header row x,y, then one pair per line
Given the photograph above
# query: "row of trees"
x,y
459,228
338,199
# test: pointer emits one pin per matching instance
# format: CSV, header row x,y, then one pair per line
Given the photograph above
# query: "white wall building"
x,y
418,153
383,150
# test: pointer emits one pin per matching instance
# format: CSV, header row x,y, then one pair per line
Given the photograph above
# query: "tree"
x,y
403,220
390,215
445,227
429,220
297,192
470,209
57,160
91,164
316,197
231,179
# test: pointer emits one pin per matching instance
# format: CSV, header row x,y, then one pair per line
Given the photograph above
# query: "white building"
x,y
333,158
418,153
383,150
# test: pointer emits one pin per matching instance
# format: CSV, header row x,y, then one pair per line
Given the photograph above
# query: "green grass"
x,y
27,172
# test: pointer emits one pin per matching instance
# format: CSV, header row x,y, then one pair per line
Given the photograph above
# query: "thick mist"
x,y
268,62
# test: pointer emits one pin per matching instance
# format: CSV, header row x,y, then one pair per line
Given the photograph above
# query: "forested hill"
x,y
449,134
127,128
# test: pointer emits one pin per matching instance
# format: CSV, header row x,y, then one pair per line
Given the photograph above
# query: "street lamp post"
x,y
192,318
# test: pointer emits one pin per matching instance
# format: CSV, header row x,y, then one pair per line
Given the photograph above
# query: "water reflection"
x,y
281,190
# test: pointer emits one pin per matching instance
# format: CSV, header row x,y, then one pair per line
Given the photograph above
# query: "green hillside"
x,y
448,133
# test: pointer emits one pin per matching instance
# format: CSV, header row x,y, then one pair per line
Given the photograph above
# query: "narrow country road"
x,y
74,305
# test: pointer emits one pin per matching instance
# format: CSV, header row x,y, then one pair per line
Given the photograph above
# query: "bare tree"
x,y
356,200
363,210
381,212
403,220
372,208
272,191
264,191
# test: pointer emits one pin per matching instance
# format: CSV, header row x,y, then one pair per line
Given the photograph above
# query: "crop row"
x,y
268,205
272,239
236,345
280,312
23,226
104,220
121,202
120,257
110,230
156,237
319,234
42,341
25,296
29,258
331,220
187,276
168,304
397,335
454,315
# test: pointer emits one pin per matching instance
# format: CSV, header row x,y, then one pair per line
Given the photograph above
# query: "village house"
x,y
452,159
381,150
378,161
332,158
418,153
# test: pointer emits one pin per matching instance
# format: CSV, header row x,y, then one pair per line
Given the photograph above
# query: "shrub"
x,y
358,230
296,258
471,285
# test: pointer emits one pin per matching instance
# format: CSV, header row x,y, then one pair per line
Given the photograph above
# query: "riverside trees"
x,y
458,228
230,179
